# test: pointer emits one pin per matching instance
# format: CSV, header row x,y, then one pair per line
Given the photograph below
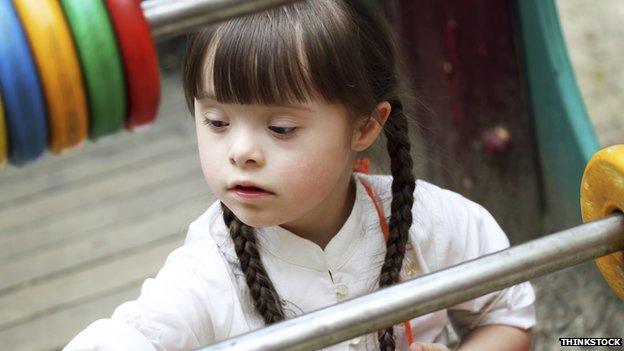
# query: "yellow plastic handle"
x,y
602,193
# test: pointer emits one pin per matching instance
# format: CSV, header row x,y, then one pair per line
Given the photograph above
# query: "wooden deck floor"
x,y
80,232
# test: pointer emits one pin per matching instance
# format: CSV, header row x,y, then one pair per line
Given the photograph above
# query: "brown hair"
x,y
337,51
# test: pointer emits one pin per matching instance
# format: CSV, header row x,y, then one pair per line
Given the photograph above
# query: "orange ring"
x,y
3,136
602,193
59,70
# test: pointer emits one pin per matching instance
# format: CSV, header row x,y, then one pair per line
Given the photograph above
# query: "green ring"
x,y
101,64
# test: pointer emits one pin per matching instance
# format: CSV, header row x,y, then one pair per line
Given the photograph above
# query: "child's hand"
x,y
421,346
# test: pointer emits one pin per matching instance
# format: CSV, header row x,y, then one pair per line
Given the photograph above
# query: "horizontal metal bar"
x,y
437,290
171,17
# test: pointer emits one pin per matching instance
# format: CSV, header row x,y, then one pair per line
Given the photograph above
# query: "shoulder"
x,y
209,225
431,202
198,265
448,227
382,184
192,294
201,259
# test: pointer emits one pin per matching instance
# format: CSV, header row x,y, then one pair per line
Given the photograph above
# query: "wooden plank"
x,y
129,208
54,331
75,198
99,247
112,145
24,306
31,184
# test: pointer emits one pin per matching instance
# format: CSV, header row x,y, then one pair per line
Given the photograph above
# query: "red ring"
x,y
140,61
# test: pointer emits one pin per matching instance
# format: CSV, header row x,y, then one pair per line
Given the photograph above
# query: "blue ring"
x,y
24,105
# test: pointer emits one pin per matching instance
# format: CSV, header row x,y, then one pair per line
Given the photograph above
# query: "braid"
x,y
403,185
263,293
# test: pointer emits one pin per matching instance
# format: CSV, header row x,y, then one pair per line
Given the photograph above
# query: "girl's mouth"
x,y
250,192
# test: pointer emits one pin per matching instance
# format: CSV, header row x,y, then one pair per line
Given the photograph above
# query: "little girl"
x,y
284,100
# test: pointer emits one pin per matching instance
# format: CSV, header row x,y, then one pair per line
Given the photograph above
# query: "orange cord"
x,y
385,229
362,166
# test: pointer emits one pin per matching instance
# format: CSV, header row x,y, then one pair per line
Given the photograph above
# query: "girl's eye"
x,y
216,124
282,131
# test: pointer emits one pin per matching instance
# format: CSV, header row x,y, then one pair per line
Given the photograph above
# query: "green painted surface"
x,y
565,137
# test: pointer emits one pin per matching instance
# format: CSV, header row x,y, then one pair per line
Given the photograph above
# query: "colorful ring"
x,y
3,136
59,70
24,105
602,193
101,64
140,61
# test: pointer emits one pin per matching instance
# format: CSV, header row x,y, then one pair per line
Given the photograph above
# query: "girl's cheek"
x,y
311,175
209,172
209,166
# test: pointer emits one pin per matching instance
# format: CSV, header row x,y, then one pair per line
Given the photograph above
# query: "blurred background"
x,y
79,232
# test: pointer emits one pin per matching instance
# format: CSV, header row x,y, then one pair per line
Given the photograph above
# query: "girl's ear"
x,y
367,132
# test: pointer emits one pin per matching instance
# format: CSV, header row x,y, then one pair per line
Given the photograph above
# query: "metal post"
x,y
171,17
437,290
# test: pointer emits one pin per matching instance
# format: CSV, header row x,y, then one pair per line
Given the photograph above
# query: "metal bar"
x,y
437,290
171,17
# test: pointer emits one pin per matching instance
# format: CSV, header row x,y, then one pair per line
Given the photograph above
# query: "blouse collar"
x,y
296,250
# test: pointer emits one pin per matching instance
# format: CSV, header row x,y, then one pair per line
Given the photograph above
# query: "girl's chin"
x,y
260,223
255,220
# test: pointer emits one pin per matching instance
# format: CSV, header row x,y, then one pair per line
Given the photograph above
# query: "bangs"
x,y
280,56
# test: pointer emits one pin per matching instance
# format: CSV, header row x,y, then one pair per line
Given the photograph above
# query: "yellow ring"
x,y
59,70
602,193
3,137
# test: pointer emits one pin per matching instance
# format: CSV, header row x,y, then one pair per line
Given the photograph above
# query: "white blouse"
x,y
200,295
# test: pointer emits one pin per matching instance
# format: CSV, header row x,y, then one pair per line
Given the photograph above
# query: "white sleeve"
x,y
186,306
471,231
109,335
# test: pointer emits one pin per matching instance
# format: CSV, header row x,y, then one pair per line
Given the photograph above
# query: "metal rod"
x,y
171,17
437,290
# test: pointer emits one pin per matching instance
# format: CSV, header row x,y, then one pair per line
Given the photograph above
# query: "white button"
x,y
356,341
342,290
408,246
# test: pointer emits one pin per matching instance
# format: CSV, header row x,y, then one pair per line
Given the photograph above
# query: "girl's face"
x,y
301,155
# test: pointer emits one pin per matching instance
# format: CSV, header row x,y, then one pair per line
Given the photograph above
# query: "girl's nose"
x,y
245,153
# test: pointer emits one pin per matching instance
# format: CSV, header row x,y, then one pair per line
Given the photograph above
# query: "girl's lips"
x,y
250,192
